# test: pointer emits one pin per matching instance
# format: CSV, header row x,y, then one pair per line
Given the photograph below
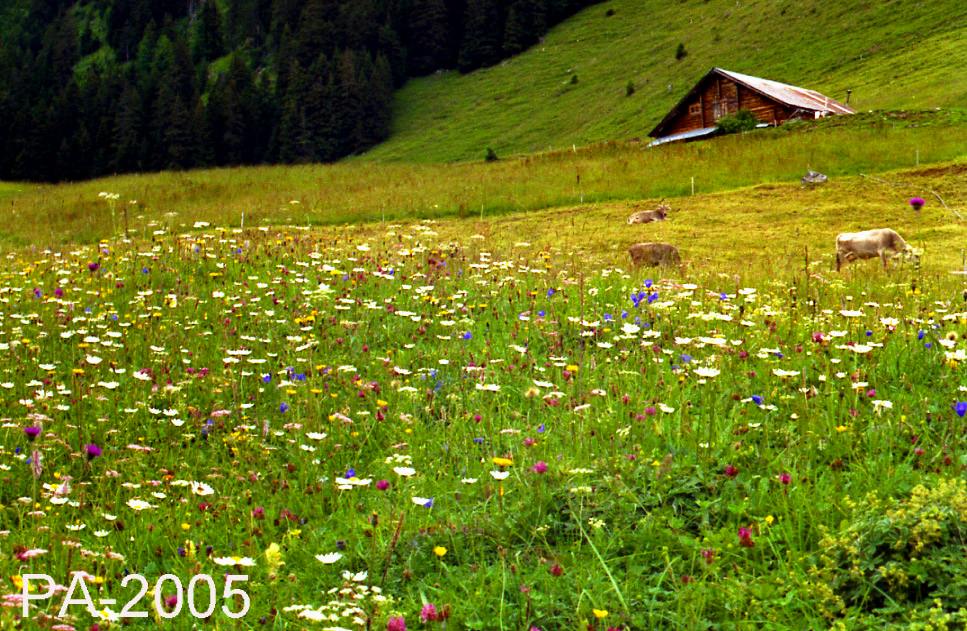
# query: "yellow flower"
x,y
503,462
381,403
600,613
186,526
273,557
439,551
571,368
770,519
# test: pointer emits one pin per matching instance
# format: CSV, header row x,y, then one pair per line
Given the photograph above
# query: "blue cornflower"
x,y
541,428
757,399
541,313
350,474
478,441
467,336
920,335
300,377
869,333
267,377
550,292
284,407
607,317
961,408
686,358
648,284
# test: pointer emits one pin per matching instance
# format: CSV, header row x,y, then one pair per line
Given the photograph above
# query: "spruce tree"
x,y
483,35
429,34
208,43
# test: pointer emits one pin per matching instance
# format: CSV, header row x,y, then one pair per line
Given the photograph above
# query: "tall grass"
x,y
355,192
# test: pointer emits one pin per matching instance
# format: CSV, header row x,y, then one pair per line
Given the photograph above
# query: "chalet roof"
x,y
783,93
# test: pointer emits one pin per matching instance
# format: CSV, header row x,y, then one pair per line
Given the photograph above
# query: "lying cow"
x,y
648,216
871,244
654,254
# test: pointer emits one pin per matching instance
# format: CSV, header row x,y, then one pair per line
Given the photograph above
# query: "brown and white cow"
x,y
882,242
648,216
654,254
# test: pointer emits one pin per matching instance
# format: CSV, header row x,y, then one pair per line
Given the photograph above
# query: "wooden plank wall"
x,y
722,97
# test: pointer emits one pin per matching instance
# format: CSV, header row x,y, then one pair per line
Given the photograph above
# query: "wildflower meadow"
x,y
386,428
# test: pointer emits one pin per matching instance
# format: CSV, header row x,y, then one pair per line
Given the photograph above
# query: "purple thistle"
x,y
33,432
93,451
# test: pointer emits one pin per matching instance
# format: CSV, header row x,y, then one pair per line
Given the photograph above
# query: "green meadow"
x,y
415,390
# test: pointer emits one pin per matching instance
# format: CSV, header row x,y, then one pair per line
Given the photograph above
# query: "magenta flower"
x,y
731,471
540,467
382,485
32,433
93,451
428,614
396,624
709,555
784,478
745,537
917,203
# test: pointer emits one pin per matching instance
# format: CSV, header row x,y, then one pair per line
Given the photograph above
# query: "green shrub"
x,y
630,88
897,556
491,155
743,120
680,52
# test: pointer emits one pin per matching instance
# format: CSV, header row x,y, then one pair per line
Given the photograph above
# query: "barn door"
x,y
720,108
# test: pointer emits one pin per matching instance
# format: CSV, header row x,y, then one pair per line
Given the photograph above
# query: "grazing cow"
x,y
648,216
654,254
870,244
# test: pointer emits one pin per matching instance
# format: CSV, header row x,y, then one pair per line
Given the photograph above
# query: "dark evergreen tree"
x,y
208,43
307,80
483,35
526,23
429,31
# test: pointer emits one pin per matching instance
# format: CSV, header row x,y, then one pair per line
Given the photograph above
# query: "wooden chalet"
x,y
721,93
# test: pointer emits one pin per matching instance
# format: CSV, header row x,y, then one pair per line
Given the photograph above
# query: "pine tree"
x,y
526,23
429,34
482,36
209,43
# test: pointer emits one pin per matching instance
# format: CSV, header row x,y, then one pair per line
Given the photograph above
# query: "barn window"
x,y
695,108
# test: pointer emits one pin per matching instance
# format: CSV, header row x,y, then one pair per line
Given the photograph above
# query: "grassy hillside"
x,y
901,54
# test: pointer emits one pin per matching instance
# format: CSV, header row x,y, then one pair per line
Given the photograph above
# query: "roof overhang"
x,y
685,135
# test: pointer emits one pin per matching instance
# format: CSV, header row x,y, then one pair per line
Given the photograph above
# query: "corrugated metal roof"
x,y
789,94
781,92
685,135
